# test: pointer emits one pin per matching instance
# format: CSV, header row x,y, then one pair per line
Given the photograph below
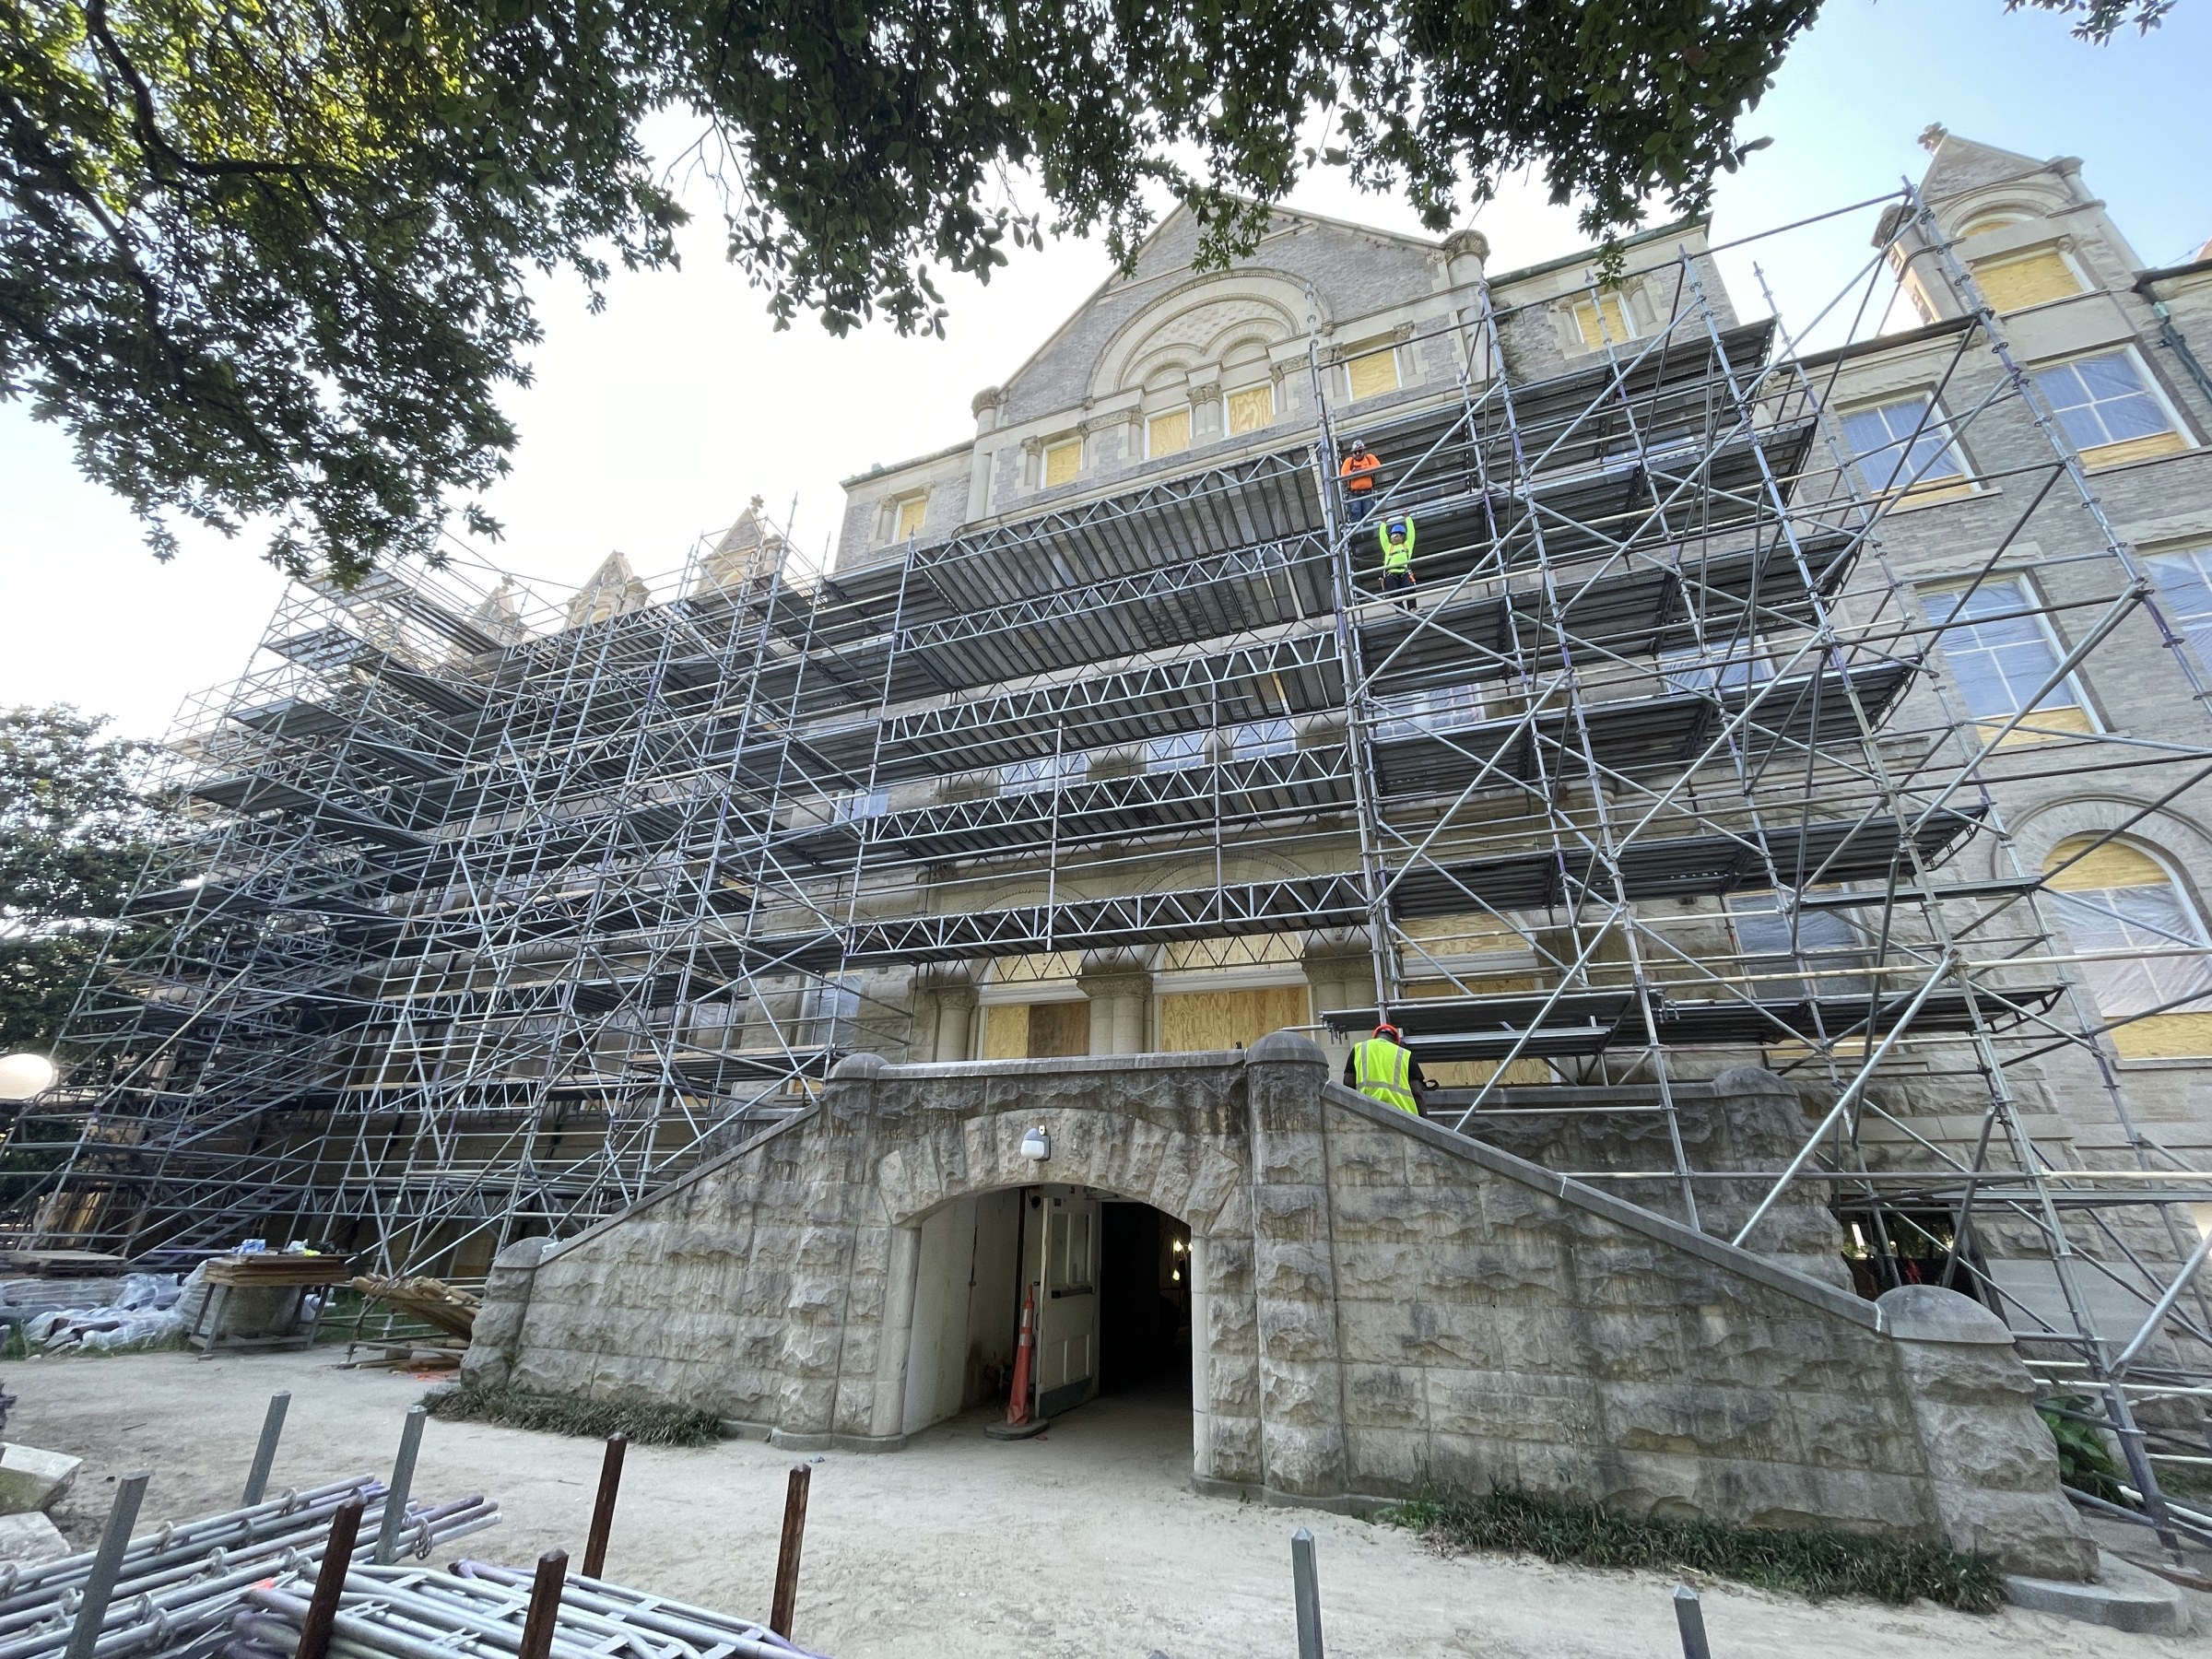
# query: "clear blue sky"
x,y
651,425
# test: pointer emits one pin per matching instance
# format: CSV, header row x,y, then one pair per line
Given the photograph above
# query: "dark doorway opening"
x,y
1143,1301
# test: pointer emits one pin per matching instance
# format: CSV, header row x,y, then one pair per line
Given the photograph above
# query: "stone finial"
x,y
613,591
986,399
1933,134
500,614
858,1068
1286,1048
748,552
1468,244
1930,1313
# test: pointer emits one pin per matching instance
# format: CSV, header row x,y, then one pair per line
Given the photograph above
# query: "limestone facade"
x,y
1376,1303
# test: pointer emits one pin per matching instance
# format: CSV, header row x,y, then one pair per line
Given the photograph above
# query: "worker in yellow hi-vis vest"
x,y
1384,1069
1397,533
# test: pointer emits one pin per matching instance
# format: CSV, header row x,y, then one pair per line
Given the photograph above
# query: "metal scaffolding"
x,y
496,919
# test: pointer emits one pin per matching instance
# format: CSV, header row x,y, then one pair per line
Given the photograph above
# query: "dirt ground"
x,y
1081,1545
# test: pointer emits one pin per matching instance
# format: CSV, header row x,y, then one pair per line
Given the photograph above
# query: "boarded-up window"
x,y
1250,409
2034,278
1036,1031
1168,434
1373,374
1059,1027
1062,461
911,513
1602,320
1197,1021
2115,903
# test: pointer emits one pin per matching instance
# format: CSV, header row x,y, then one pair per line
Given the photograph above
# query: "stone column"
x,y
1202,1432
1120,988
1340,973
497,1335
888,1413
1294,1274
985,407
953,991
1991,1462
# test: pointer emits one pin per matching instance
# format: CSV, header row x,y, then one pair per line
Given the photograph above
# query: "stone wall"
x,y
1378,1302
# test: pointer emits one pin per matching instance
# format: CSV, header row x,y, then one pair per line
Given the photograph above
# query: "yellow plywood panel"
x,y
1168,434
1007,1031
1473,1074
2134,448
1062,461
2165,1037
911,514
2114,865
1251,951
1193,1021
1925,494
1373,374
2037,279
2042,726
1059,1027
1250,409
1602,321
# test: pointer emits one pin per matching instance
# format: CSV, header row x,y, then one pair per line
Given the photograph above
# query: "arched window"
x,y
1997,219
2112,897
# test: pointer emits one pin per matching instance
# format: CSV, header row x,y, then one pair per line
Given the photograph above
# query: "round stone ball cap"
x,y
859,1066
1285,1048
1930,1313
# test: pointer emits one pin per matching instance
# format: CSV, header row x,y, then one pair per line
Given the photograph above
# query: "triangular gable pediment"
x,y
1057,375
1960,165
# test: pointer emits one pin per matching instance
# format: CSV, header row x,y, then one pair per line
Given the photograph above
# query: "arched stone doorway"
x,y
1114,1286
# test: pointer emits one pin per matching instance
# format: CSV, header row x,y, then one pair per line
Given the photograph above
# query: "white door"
x,y
1067,1299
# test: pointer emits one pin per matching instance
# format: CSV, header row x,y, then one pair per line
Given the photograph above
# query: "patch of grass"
x,y
1809,1563
645,1423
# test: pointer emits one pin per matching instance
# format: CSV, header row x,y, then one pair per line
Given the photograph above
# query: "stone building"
x,y
1826,706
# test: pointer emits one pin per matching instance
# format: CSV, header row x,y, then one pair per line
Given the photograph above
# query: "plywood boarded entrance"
x,y
1197,1021
1036,1031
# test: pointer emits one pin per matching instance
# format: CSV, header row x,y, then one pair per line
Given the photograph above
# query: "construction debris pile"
x,y
103,1315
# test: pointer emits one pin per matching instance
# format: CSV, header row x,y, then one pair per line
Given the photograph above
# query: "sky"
x,y
652,423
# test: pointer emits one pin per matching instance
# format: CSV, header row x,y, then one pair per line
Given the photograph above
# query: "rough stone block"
x,y
1298,1333
1699,1417
32,1479
1300,1396
1233,1446
1233,1384
1385,1396
1514,1405
29,1539
1387,1463
1305,1462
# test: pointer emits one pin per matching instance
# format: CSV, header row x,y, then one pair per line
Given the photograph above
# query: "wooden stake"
x,y
602,1512
337,1559
788,1558
545,1605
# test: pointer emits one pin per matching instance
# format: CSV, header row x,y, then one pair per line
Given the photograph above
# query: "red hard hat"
x,y
1387,1030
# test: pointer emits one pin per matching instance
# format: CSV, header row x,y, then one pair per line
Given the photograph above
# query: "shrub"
x,y
1810,1562
646,1422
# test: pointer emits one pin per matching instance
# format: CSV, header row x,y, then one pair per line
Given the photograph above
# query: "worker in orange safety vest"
x,y
1360,472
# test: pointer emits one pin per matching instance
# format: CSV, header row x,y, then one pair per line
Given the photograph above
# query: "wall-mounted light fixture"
x,y
1036,1146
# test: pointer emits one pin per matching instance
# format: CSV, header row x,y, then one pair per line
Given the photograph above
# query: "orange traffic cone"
x,y
1019,1424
